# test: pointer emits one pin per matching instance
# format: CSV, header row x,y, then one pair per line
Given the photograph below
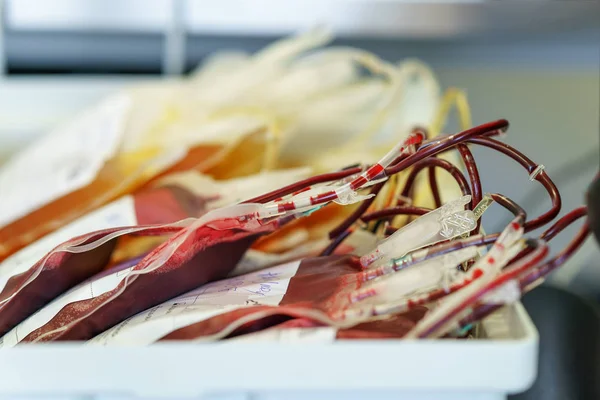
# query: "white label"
x,y
65,160
324,334
265,287
118,213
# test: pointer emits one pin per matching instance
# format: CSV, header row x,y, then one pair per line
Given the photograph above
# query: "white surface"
x,y
405,369
387,18
88,15
406,18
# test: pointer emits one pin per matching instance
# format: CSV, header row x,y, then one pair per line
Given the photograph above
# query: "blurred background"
x,y
535,63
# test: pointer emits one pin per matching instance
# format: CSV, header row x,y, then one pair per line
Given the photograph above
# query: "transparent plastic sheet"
x,y
444,223
177,197
222,193
423,277
191,194
27,288
85,144
191,257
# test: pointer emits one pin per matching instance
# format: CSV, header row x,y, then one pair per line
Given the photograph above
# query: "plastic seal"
x,y
536,172
458,224
443,223
346,197
508,293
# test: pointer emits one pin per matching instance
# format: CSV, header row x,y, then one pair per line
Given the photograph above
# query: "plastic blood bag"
x,y
438,272
111,177
191,194
287,291
175,198
267,286
256,258
495,287
194,255
25,287
383,301
310,229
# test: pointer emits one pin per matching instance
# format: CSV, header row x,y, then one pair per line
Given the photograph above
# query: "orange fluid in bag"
x,y
118,177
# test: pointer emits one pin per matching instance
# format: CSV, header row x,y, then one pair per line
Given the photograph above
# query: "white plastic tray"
x,y
503,362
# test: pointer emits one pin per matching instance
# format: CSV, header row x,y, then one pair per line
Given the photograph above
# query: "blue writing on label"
x,y
262,289
268,275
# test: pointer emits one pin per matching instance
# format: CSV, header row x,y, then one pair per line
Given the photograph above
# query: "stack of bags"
x,y
186,209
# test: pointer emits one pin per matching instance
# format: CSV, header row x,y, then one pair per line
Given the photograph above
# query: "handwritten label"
x,y
266,287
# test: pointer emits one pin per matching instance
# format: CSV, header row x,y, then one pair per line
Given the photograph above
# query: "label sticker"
x,y
265,287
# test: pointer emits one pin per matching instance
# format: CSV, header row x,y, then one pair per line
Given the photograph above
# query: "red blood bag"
x,y
192,194
24,287
175,198
193,256
284,292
